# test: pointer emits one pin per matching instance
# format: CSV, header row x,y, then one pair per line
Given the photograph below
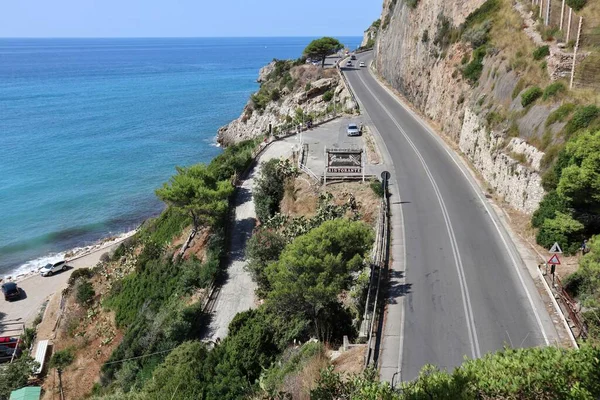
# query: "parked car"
x,y
353,130
50,269
11,291
362,64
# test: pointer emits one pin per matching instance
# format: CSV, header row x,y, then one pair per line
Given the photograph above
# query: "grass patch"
x,y
472,71
553,89
541,52
560,114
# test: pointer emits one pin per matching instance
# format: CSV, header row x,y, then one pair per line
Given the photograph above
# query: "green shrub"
x,y
62,359
84,273
477,35
425,36
472,71
163,229
549,206
412,3
483,13
307,87
85,293
275,94
582,118
560,114
563,229
576,4
269,190
553,89
530,95
328,95
263,247
377,188
541,52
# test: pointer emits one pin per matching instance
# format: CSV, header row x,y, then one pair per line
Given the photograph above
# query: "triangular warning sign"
x,y
554,260
555,248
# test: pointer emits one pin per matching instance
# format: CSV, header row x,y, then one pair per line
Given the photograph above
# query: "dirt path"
x,y
237,293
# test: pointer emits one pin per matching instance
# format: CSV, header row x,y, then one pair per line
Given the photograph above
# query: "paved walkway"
x,y
237,293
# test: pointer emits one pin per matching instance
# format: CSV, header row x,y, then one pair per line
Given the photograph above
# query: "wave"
x,y
34,266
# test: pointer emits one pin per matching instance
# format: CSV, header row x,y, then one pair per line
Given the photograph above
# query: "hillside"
x,y
290,93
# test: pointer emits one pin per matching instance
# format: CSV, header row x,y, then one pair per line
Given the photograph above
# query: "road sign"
x,y
385,175
554,260
555,249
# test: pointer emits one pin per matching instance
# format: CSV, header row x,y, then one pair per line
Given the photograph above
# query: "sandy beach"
x,y
37,289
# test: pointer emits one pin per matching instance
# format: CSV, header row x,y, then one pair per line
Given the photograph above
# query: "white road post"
x,y
562,14
547,12
541,8
575,52
569,24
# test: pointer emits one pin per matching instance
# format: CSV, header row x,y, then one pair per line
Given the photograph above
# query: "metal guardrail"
x,y
379,260
302,164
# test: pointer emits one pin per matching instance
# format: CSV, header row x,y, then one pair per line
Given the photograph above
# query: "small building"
x,y
26,393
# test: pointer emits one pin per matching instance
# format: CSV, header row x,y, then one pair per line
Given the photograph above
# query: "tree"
x,y
15,375
580,179
315,268
196,191
321,48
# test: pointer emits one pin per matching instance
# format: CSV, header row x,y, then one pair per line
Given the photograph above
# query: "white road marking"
x,y
474,341
483,202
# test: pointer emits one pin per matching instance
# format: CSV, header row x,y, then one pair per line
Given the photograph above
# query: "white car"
x,y
353,130
50,269
362,64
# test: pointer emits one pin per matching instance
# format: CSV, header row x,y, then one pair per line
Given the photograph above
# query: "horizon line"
x,y
170,37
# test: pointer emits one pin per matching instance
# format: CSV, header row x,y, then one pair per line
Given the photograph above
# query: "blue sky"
x,y
186,18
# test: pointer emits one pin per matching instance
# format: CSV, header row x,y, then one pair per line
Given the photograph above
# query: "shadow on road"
x,y
396,289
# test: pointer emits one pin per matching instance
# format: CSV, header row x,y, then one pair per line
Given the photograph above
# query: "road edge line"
x,y
477,190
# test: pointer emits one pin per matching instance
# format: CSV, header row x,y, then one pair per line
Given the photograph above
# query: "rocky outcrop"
x,y
310,92
517,181
369,36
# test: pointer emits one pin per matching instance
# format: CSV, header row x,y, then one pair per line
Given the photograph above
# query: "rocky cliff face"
x,y
485,117
289,95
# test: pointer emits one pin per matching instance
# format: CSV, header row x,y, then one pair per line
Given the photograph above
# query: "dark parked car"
x,y
11,291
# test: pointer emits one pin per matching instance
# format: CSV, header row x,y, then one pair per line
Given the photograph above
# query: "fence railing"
x,y
302,164
379,260
568,306
571,29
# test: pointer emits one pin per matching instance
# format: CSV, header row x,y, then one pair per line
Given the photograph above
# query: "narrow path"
x,y
237,293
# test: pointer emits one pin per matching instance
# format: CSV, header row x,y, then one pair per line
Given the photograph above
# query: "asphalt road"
x,y
459,288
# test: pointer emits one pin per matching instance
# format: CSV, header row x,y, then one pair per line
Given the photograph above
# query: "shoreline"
x,y
69,256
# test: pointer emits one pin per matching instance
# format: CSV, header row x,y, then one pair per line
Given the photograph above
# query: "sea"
x,y
89,128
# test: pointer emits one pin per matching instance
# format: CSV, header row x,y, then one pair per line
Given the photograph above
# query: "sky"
x,y
186,18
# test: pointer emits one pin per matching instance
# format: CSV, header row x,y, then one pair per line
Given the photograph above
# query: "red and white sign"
x,y
554,260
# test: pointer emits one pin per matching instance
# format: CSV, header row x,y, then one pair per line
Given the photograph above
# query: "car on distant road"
x,y
50,269
348,63
362,64
11,291
353,57
353,130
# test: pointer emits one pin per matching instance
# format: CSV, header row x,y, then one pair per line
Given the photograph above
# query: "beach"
x,y
37,289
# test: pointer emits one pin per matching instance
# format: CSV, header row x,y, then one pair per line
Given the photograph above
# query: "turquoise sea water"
x,y
90,127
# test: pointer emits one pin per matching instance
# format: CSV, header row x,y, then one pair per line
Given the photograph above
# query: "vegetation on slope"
x,y
152,303
537,373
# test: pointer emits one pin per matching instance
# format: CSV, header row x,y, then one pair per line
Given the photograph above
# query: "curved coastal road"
x,y
458,286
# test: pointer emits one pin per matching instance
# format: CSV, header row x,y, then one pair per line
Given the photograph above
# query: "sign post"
x,y
553,261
